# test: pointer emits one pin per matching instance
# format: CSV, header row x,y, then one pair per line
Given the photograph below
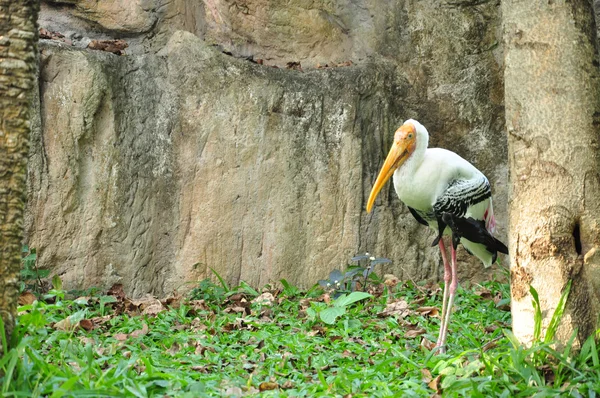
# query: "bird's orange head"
x,y
405,142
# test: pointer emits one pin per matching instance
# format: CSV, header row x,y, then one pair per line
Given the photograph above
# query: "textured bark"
x,y
552,117
18,37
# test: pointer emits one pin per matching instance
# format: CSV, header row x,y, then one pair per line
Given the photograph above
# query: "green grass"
x,y
226,345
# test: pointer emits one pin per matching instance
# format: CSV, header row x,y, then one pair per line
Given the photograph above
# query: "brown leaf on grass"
x,y
174,301
426,375
146,305
376,290
200,349
117,291
335,338
266,315
197,325
112,46
432,312
235,309
86,324
503,307
266,298
268,385
348,354
153,309
140,332
196,307
390,280
99,320
316,331
87,340
287,385
399,308
430,345
414,332
304,303
66,325
120,336
174,349
484,293
200,368
325,297
435,384
491,328
26,298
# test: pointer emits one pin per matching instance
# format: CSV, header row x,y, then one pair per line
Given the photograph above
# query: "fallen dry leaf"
x,y
348,354
197,306
117,291
120,336
325,297
426,375
153,309
430,345
287,385
86,324
399,308
390,280
266,298
141,332
200,368
491,328
435,384
173,301
174,349
99,320
87,340
26,298
484,293
233,391
268,385
414,332
432,312
66,325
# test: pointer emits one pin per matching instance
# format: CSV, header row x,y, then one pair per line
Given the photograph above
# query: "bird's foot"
x,y
440,349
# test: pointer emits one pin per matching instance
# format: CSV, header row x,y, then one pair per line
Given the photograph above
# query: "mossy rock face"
x,y
151,168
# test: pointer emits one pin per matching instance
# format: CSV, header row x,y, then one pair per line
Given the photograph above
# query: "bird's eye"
x,y
410,135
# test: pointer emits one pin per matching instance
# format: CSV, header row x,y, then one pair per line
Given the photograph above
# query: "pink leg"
x,y
447,277
452,289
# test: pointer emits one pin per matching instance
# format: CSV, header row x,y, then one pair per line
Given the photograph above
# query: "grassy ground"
x,y
283,342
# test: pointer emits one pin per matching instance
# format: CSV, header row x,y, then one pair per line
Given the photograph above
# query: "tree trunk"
x,y
552,118
18,56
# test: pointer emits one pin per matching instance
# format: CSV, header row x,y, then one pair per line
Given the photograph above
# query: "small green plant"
x,y
556,316
340,283
31,275
339,306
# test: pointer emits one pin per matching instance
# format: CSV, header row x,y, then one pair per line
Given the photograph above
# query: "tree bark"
x,y
18,57
552,116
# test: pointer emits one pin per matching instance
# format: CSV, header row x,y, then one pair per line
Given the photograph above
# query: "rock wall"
x,y
193,151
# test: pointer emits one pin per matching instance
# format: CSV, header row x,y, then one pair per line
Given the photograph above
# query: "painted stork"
x,y
447,193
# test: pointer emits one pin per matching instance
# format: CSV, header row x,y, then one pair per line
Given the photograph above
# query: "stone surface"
x,y
152,168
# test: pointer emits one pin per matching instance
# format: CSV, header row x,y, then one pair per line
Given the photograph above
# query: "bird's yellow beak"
x,y
404,145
